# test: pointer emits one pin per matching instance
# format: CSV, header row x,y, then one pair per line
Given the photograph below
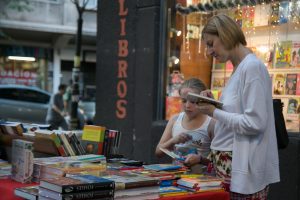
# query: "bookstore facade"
x,y
148,48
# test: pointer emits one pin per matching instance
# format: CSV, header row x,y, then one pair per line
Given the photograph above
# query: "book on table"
x,y
162,167
94,194
28,192
203,99
68,185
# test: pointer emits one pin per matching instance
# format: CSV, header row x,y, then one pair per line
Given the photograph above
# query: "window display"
x,y
272,31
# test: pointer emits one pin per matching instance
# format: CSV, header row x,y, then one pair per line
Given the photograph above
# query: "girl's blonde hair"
x,y
226,29
193,83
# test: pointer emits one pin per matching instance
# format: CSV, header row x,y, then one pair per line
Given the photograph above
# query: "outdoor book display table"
x,y
7,187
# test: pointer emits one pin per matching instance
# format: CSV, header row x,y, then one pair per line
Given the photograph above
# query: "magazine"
x,y
202,99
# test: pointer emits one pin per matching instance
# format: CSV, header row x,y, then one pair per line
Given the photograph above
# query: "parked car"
x,y
27,104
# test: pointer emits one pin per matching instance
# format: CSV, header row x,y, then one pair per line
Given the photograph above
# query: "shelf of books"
x,y
283,64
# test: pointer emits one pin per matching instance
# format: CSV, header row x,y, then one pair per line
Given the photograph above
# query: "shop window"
x,y
272,31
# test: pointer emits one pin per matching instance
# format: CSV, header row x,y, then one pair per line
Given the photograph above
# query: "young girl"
x,y
190,132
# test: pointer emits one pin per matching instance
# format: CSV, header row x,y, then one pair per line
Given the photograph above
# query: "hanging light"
x,y
21,58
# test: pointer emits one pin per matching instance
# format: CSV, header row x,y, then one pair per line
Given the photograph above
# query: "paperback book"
x,y
202,99
29,192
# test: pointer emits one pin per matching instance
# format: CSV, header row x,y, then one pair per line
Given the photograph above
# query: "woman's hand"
x,y
207,93
181,138
206,108
192,159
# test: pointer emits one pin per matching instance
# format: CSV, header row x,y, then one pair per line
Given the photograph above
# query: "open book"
x,y
172,154
202,99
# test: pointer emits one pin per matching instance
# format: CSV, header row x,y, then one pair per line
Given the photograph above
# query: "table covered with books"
x,y
77,175
109,181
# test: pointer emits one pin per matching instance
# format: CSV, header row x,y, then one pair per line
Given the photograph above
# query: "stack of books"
x,y
200,184
58,166
28,192
11,128
127,185
5,169
76,187
22,161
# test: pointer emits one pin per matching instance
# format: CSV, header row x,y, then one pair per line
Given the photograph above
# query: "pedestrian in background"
x,y
56,113
244,147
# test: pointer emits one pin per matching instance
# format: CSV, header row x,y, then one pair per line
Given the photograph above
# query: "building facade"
x,y
45,30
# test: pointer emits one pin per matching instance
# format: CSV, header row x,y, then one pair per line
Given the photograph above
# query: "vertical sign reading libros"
x,y
121,104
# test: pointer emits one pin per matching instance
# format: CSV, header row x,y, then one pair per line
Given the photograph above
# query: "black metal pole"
x,y
74,123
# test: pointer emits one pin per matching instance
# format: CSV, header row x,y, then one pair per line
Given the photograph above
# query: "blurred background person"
x,y
56,112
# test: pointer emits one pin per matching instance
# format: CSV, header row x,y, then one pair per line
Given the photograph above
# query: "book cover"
x,y
292,116
29,192
274,17
279,84
262,13
283,54
291,84
173,106
295,62
95,194
77,183
217,82
62,168
171,191
172,154
162,167
298,85
92,147
283,12
202,99
248,16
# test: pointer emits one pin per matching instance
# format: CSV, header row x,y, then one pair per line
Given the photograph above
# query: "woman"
x,y
189,132
244,147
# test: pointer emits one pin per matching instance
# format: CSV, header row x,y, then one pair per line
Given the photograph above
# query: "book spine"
x,y
58,144
73,145
80,147
87,187
141,184
89,195
105,143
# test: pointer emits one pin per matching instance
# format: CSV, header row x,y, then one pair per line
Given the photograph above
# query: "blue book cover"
x,y
162,167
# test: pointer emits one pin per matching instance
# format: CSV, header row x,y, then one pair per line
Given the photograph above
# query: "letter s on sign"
x,y
121,109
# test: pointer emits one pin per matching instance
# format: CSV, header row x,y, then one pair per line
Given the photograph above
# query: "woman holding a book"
x,y
190,132
244,147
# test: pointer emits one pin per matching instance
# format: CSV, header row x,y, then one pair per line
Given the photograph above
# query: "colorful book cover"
x,y
262,13
291,84
162,167
298,85
292,116
279,84
217,82
283,12
248,16
218,65
283,54
295,60
29,192
274,16
173,106
171,191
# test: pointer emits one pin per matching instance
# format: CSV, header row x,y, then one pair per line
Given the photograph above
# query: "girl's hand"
x,y
181,138
192,159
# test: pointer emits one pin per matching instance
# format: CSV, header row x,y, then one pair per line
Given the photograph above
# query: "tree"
x,y
81,7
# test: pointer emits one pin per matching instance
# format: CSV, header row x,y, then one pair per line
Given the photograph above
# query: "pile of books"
x,y
58,166
11,128
128,185
200,184
5,169
76,187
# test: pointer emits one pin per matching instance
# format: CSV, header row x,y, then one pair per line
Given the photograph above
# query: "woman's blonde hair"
x,y
193,83
226,29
